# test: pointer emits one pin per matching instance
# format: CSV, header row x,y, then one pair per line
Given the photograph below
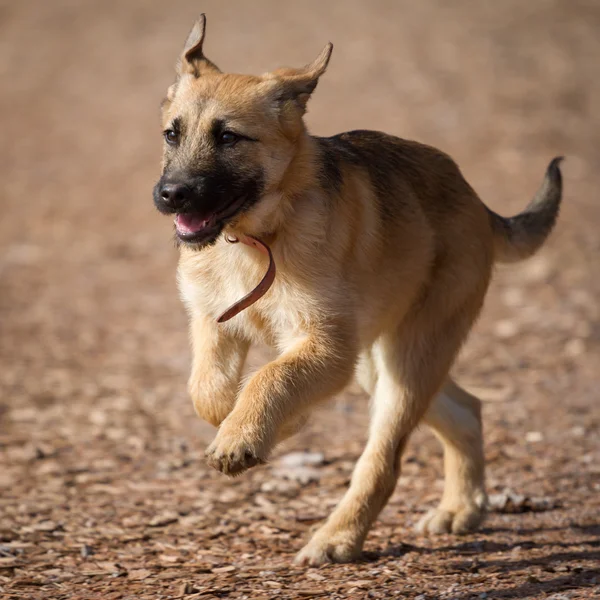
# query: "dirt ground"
x,y
105,493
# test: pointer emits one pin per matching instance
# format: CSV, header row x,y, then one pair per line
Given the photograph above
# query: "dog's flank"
x,y
384,254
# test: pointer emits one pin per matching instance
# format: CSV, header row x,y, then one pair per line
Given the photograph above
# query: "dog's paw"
x,y
235,449
439,520
329,547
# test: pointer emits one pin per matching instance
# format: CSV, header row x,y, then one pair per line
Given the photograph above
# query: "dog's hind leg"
x,y
455,417
412,365
341,538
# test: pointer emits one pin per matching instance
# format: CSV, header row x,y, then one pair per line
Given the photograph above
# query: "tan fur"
x,y
379,280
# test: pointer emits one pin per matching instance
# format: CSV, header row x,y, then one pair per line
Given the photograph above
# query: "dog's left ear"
x,y
299,84
192,59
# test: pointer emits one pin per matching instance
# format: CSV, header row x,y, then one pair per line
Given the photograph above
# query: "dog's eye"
x,y
171,137
228,138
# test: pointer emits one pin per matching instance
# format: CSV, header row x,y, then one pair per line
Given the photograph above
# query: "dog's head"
x,y
228,140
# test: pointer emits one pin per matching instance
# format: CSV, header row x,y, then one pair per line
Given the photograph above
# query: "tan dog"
x,y
383,254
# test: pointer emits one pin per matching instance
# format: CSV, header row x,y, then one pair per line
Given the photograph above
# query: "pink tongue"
x,y
190,223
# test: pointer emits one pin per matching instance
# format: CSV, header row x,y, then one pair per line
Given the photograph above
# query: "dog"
x,y
378,256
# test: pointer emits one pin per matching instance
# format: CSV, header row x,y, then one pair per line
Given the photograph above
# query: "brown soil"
x,y
104,490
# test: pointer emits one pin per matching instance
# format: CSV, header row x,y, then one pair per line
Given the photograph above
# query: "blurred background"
x,y
100,451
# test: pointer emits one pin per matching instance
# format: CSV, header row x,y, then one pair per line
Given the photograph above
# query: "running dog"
x,y
377,254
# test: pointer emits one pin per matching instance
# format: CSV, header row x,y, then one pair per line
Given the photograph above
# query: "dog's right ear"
x,y
192,60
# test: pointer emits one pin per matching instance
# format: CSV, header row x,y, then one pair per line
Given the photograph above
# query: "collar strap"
x,y
262,288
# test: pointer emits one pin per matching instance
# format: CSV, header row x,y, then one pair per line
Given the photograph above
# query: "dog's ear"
x,y
299,84
192,59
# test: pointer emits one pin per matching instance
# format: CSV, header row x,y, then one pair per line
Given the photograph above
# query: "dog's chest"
x,y
213,280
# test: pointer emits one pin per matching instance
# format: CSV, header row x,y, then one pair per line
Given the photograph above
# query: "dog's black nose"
x,y
174,195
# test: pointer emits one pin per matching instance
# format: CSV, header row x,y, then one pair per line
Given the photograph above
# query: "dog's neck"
x,y
302,170
268,221
299,175
299,178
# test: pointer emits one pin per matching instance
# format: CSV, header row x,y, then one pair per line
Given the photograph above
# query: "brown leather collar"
x,y
266,282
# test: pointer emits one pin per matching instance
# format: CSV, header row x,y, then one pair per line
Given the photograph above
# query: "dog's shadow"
x,y
574,577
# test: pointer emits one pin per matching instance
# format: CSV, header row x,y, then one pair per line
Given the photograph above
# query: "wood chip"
x,y
163,519
139,574
227,569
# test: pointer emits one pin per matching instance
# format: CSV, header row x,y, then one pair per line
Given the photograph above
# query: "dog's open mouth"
x,y
193,227
202,227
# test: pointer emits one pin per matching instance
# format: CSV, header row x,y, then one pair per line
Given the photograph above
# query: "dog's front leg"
x,y
313,368
216,369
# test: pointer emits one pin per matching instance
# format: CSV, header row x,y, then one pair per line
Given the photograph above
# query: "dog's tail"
x,y
518,237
